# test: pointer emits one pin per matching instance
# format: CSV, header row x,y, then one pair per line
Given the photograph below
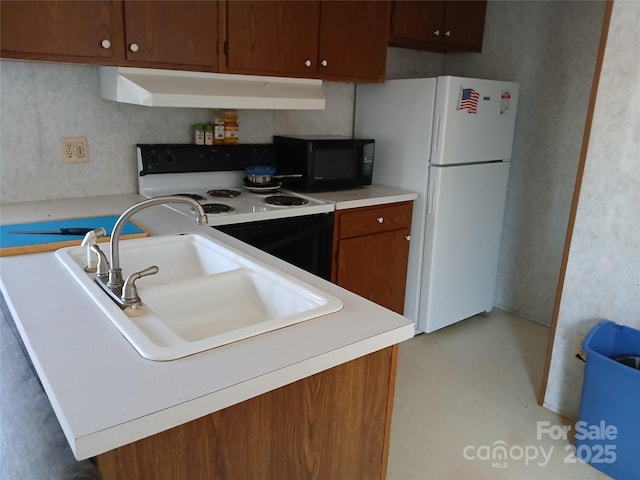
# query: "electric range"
x,y
214,176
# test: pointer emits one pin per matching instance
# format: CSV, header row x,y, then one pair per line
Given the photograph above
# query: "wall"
x,y
602,278
41,102
550,49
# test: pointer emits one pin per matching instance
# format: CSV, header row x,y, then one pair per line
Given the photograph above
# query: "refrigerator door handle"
x,y
432,195
436,133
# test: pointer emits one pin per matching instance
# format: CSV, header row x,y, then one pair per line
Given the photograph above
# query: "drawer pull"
x,y
380,220
407,238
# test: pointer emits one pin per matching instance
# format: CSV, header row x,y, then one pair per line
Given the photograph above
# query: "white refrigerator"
x,y
450,140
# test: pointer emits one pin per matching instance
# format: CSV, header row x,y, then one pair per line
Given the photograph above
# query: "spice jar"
x,y
198,134
231,128
218,132
208,134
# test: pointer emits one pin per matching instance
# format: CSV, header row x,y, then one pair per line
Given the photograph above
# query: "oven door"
x,y
304,241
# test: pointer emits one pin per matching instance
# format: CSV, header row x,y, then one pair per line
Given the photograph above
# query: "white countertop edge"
x,y
367,196
33,358
103,441
371,202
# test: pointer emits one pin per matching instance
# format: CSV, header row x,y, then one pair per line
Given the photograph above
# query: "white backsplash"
x,y
42,102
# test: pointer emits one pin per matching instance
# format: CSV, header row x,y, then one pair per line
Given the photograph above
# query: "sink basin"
x,y
205,295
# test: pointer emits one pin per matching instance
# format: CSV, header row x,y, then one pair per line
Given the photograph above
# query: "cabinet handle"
x,y
380,220
134,47
447,33
324,63
407,238
308,63
437,33
105,43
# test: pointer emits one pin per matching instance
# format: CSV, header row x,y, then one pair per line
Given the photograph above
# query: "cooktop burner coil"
x,y
215,208
194,196
223,192
285,200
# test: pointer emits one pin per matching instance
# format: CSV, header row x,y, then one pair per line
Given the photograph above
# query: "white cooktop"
x,y
249,206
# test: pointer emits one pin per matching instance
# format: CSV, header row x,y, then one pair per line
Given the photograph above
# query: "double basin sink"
x,y
205,295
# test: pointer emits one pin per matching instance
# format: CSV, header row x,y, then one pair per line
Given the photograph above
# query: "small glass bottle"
x,y
231,128
198,134
208,134
218,132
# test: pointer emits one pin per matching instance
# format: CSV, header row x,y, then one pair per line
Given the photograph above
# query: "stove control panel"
x,y
182,158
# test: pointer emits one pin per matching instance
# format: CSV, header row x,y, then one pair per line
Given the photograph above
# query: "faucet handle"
x,y
129,291
102,270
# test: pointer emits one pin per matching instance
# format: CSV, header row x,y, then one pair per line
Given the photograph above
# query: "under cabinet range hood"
x,y
173,88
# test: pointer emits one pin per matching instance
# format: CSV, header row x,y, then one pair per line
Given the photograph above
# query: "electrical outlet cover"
x,y
74,149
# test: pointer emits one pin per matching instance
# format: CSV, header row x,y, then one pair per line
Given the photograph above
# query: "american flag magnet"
x,y
469,100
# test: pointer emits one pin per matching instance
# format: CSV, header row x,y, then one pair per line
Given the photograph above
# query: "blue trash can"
x,y
608,429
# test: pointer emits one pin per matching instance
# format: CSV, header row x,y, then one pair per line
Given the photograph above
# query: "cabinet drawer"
x,y
371,220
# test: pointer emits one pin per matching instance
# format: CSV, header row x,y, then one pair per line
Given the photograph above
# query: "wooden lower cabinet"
x,y
332,425
371,252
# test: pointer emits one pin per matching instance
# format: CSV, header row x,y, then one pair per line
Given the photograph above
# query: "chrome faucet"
x,y
124,293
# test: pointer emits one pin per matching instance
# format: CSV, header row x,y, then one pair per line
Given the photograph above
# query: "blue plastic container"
x,y
608,430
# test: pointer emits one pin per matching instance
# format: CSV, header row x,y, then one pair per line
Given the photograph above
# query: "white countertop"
x,y
365,196
106,395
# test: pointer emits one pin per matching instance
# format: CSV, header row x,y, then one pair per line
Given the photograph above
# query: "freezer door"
x,y
474,120
464,222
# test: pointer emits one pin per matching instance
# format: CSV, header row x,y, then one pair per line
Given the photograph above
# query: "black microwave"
x,y
324,163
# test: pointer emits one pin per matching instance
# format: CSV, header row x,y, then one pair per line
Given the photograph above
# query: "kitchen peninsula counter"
x,y
106,395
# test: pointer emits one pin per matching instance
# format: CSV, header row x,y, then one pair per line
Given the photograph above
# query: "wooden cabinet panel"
x,y
336,40
440,26
179,33
375,267
416,21
371,252
353,40
463,24
272,37
87,32
332,425
374,220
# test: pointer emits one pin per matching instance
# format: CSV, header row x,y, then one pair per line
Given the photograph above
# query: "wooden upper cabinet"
x,y
85,32
181,34
336,40
439,26
463,24
353,40
272,37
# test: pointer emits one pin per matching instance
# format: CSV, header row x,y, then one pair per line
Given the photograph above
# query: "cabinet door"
x,y
375,267
416,23
179,33
70,31
273,37
438,26
353,40
463,24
